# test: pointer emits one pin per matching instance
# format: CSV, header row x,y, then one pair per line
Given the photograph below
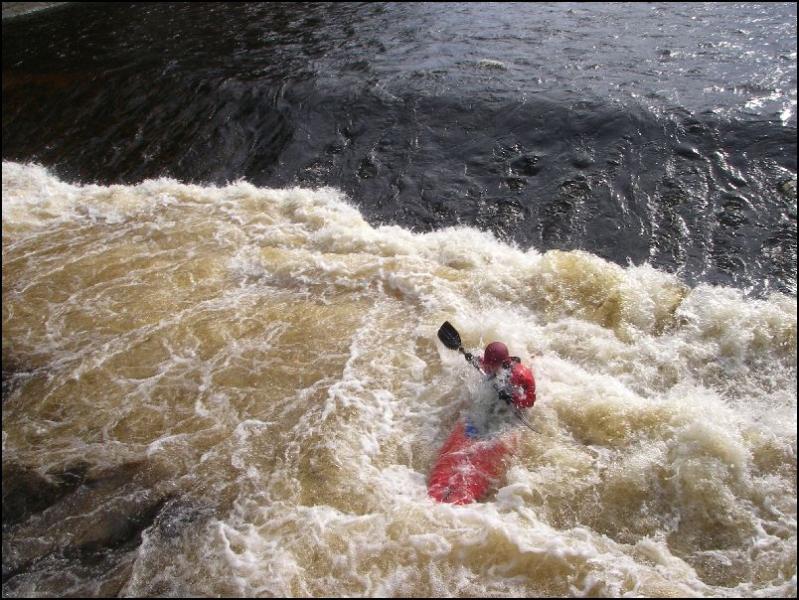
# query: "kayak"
x,y
467,466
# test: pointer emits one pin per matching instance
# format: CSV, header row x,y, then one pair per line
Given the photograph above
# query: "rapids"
x,y
238,391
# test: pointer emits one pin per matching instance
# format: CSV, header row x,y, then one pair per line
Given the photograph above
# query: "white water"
x,y
268,361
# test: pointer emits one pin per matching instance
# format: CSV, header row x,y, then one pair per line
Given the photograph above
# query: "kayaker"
x,y
512,382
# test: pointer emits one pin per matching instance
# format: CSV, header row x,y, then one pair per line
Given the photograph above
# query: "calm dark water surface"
x,y
639,132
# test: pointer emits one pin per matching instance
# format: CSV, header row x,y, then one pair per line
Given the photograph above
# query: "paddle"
x,y
450,337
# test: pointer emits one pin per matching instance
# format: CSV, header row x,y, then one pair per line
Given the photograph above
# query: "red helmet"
x,y
496,353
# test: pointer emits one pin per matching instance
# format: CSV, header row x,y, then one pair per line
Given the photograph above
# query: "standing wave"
x,y
238,391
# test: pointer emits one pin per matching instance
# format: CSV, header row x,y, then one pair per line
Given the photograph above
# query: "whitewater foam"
x,y
271,359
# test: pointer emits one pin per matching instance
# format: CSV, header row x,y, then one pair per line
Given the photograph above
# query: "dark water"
x,y
639,132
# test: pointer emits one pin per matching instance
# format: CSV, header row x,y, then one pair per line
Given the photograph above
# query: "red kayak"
x,y
466,466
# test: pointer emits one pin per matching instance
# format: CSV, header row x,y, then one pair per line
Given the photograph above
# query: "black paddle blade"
x,y
449,336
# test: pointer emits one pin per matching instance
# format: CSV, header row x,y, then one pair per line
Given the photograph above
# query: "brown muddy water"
x,y
237,391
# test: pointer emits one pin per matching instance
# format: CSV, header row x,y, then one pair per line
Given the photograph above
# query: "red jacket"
x,y
523,385
520,381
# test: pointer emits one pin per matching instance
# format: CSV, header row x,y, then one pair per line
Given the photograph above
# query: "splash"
x,y
250,380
